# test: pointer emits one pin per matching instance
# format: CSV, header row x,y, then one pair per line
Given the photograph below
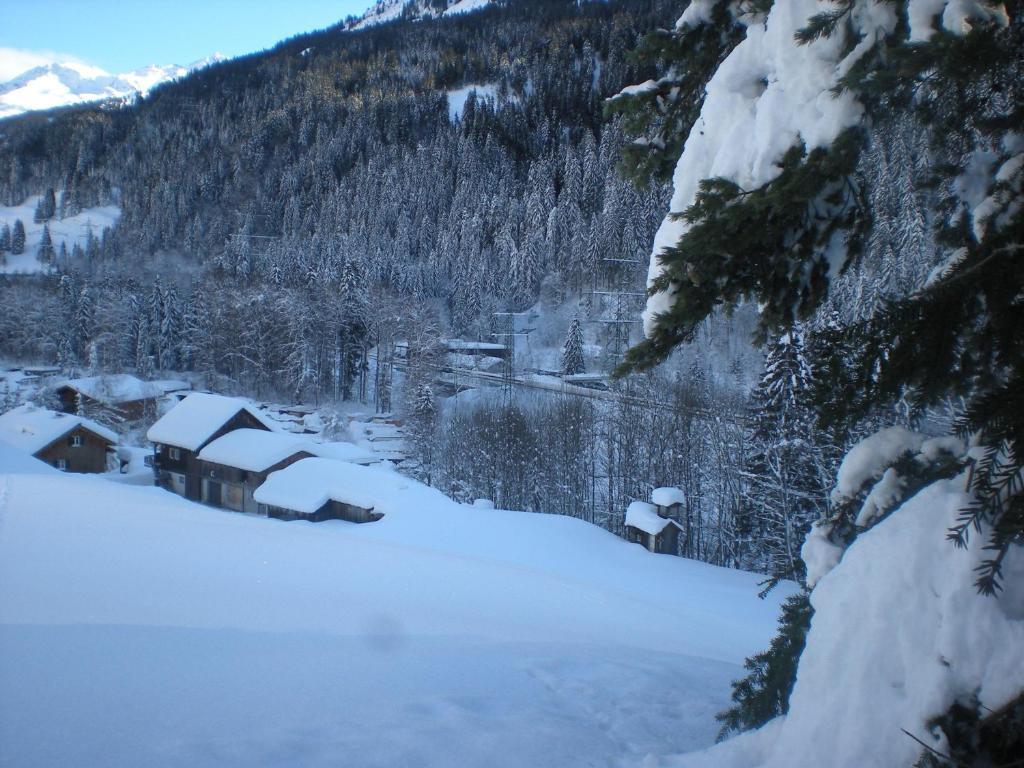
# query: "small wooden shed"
x,y
114,398
320,489
646,527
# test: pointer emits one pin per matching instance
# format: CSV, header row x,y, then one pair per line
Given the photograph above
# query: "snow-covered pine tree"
x,y
46,253
572,353
787,472
18,238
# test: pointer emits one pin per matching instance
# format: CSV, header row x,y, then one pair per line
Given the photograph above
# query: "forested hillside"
x,y
290,217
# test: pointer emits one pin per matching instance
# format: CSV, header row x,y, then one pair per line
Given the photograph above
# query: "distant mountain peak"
x,y
61,83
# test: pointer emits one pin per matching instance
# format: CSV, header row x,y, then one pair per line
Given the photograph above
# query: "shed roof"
x,y
31,429
191,422
645,517
666,497
307,485
253,450
341,451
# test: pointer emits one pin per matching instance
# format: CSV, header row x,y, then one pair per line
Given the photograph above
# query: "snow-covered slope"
x,y
159,632
61,83
388,10
899,634
71,231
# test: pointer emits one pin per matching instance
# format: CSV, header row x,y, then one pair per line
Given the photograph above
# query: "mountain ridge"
x,y
64,83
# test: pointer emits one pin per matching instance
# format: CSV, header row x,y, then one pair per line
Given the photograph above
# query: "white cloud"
x,y
14,61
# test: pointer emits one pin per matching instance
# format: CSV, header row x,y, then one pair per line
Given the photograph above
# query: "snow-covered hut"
x,y
67,442
117,397
186,429
234,465
320,489
646,527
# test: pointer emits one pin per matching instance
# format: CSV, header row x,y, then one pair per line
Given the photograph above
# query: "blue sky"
x,y
120,35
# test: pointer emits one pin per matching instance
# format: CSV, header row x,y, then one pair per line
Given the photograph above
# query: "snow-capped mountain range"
x,y
61,83
388,10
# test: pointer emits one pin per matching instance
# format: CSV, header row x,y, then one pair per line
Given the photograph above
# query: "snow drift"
x,y
160,632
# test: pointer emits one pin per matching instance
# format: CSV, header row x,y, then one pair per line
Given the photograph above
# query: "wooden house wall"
x,y
89,457
332,510
189,464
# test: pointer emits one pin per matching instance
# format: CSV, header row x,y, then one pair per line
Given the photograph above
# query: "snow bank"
x,y
899,633
163,633
16,461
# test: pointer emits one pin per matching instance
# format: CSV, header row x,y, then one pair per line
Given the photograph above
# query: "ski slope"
x,y
140,629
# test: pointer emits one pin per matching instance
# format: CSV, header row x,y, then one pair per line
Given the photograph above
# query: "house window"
x,y
76,441
174,454
61,463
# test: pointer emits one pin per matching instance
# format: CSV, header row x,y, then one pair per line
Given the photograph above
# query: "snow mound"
x,y
899,633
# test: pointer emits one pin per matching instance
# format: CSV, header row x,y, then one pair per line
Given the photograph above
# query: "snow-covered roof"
x,y
116,388
341,451
31,429
644,516
307,485
192,421
666,497
253,450
463,345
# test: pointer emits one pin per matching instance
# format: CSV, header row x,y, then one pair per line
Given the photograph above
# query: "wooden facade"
x,y
131,411
331,510
80,450
665,543
179,470
232,488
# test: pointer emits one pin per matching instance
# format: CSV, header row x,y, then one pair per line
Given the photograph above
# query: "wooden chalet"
x,y
234,465
180,435
656,533
319,489
114,398
67,442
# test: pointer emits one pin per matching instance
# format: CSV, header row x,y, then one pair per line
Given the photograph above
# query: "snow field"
x,y
160,632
